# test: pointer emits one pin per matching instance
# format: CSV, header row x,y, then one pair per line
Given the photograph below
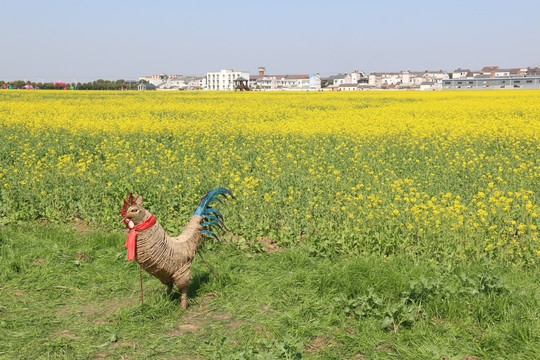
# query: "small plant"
x,y
483,283
424,288
289,348
397,315
489,283
362,306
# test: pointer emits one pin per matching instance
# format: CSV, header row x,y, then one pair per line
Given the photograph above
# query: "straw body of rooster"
x,y
169,258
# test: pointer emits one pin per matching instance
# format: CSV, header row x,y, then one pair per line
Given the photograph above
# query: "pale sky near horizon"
x,y
120,39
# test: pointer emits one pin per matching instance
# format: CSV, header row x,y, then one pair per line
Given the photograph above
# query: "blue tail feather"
x,y
213,211
210,197
216,219
212,218
209,233
210,224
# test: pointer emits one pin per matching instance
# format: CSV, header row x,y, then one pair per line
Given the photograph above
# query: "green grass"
x,y
67,293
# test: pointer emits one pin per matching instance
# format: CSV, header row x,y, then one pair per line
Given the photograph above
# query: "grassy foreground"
x,y
69,292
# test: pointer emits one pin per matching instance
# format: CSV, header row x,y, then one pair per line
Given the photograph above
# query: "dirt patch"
x,y
18,293
195,315
269,245
185,328
199,317
318,343
106,308
262,331
385,348
222,317
98,312
264,244
192,322
123,344
81,226
236,324
205,300
471,357
66,333
82,257
197,321
38,262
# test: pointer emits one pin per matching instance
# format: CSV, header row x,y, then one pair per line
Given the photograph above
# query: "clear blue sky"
x,y
111,39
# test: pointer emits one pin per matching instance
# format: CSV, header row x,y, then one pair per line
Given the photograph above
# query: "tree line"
x,y
92,85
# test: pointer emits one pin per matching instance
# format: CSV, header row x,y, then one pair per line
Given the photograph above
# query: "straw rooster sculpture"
x,y
169,258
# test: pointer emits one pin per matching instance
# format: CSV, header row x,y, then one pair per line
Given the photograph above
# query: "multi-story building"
x,y
385,79
356,77
284,82
224,79
460,73
434,76
406,79
198,83
158,79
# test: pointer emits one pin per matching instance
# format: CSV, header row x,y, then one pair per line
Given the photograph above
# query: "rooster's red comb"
x,y
127,204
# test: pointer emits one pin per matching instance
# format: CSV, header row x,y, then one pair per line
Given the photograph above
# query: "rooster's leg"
x,y
183,301
181,279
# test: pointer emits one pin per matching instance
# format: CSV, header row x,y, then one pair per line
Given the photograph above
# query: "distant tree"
x,y
19,83
327,82
99,84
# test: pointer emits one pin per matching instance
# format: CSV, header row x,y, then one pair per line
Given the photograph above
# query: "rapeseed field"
x,y
449,175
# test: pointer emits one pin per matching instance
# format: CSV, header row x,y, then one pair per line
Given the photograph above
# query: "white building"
x,y
348,87
489,82
416,78
502,73
430,85
384,79
356,77
338,82
224,80
173,83
407,79
158,79
460,73
198,83
284,82
179,82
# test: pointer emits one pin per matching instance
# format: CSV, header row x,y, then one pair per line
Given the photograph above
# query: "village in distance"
x,y
489,77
